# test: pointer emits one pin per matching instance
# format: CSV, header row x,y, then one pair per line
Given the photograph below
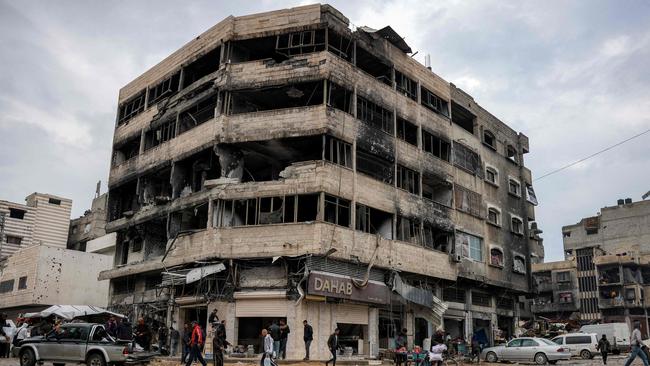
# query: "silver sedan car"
x,y
527,349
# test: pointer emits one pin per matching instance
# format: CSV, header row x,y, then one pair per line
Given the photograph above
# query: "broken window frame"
x,y
514,187
491,175
132,107
432,178
375,115
377,167
511,154
301,42
469,246
466,158
408,179
163,89
487,137
493,216
407,131
436,145
516,225
363,220
515,266
498,259
433,102
408,229
338,49
339,206
430,239
130,149
406,86
202,111
255,204
160,134
468,201
337,151
348,97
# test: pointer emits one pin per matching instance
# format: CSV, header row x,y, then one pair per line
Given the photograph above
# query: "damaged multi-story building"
x,y
285,166
612,252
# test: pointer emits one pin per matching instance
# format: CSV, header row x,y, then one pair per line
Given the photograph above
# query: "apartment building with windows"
x,y
42,220
285,166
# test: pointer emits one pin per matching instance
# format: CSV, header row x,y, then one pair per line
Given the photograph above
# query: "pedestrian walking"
x,y
174,337
274,331
196,344
308,336
187,335
603,346
219,344
333,345
284,337
636,342
162,338
267,351
5,343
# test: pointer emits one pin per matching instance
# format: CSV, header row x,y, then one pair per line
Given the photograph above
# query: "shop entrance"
x,y
482,332
505,325
455,328
249,331
390,324
353,336
421,331
198,314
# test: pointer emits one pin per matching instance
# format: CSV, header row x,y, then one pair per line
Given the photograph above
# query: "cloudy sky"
x,y
572,75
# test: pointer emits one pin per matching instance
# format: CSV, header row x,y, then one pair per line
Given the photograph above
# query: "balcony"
x,y
261,73
264,241
177,148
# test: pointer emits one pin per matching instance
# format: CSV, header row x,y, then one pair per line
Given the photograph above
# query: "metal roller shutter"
x,y
246,308
351,314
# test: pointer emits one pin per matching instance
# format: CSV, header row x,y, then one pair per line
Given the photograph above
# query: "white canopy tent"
x,y
70,312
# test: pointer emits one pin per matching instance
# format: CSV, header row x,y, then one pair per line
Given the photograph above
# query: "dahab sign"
x,y
342,287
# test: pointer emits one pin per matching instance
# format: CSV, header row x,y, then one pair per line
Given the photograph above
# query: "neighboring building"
x,y
43,220
283,166
622,280
90,226
556,285
39,276
620,229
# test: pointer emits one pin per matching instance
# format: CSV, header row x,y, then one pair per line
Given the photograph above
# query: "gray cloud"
x,y
570,75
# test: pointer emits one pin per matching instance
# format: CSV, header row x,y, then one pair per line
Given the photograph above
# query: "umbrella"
x,y
70,312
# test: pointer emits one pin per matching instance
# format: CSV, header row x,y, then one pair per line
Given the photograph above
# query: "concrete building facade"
x,y
90,226
623,229
36,277
556,290
284,166
43,220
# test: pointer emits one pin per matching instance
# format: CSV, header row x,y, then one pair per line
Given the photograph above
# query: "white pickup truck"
x,y
75,343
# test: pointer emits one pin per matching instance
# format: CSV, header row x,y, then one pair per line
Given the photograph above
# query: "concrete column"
x,y
373,332
410,328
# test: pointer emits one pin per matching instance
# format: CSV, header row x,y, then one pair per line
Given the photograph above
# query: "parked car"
x,y
617,333
527,349
580,344
74,343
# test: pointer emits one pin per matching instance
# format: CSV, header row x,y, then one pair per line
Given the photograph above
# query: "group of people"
x,y
275,342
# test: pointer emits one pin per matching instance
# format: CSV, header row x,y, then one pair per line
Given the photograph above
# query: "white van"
x,y
618,334
580,344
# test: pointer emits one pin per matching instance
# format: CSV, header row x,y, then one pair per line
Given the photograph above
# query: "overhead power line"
x,y
592,155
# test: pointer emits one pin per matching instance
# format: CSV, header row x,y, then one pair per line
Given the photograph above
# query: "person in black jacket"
x,y
333,345
308,336
284,337
603,347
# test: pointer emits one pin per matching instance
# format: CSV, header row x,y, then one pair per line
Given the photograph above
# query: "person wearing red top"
x,y
196,344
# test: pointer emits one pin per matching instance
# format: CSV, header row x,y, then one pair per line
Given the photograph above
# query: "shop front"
x,y
257,310
350,305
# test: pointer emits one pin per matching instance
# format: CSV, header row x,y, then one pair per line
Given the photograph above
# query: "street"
x,y
612,361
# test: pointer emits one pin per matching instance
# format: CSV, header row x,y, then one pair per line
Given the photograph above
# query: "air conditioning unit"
x,y
456,257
